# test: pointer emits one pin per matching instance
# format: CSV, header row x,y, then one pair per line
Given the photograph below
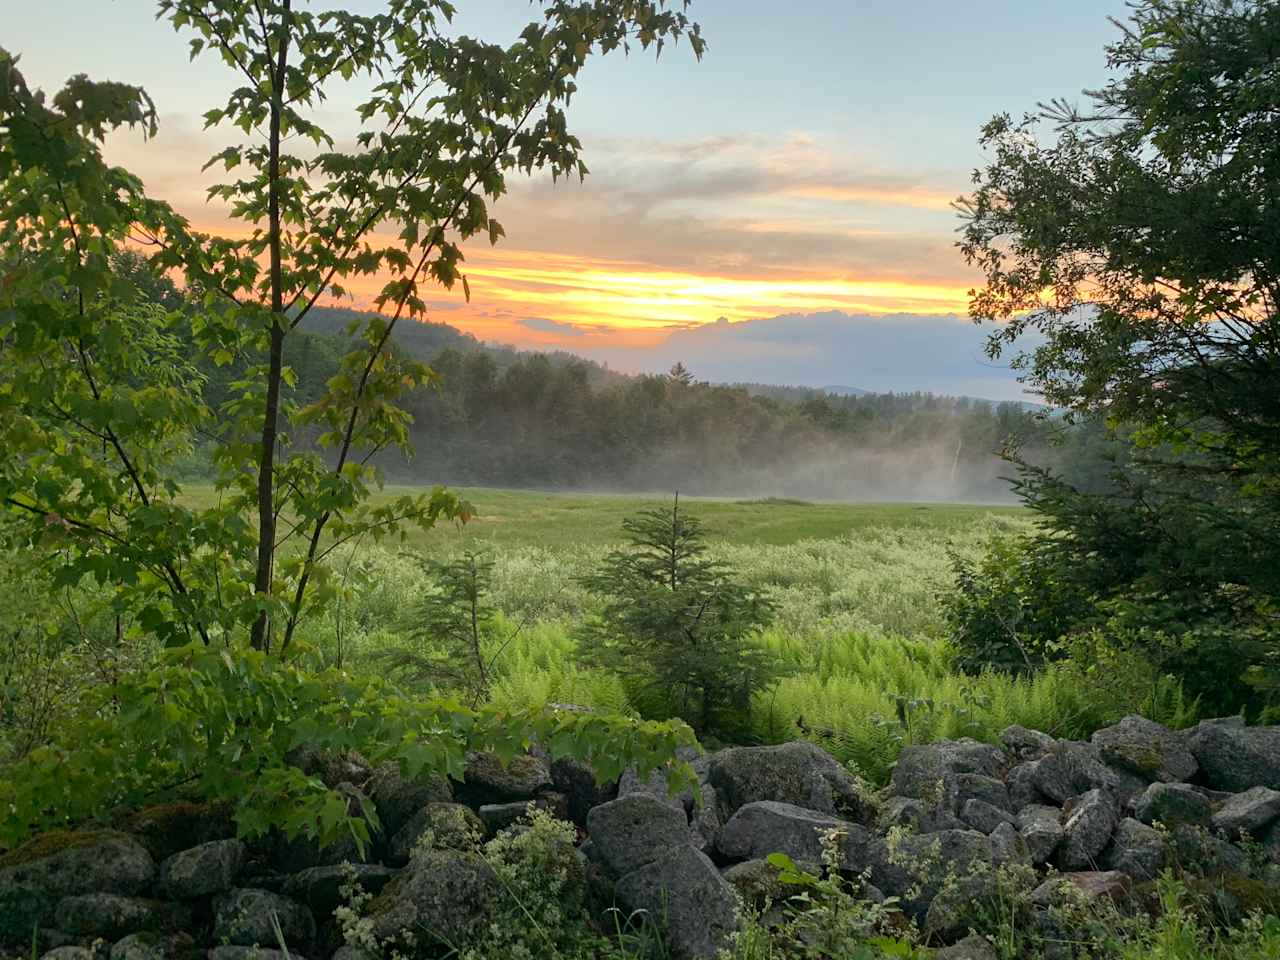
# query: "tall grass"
x,y
859,629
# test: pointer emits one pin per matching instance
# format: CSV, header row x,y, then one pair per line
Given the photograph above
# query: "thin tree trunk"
x,y
260,636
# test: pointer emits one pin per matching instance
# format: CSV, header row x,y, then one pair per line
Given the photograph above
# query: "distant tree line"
x,y
497,416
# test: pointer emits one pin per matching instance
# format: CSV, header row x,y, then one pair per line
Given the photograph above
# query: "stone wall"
x,y
1103,816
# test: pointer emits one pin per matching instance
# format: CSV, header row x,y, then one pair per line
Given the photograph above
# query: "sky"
x,y
778,212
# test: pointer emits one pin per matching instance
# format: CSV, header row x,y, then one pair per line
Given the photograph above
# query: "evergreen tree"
x,y
678,626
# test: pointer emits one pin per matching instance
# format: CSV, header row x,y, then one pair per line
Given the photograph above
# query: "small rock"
x,y
1249,812
68,863
1148,749
919,816
167,828
922,767
634,830
1136,849
320,888
799,773
764,827
972,947
488,780
984,817
202,870
1198,851
577,782
1172,804
111,916
243,917
1021,784
146,945
1092,883
757,881
683,890
1236,758
68,953
1040,828
977,786
450,825
704,819
397,797
446,895
1008,845
1025,744
1087,830
915,868
233,952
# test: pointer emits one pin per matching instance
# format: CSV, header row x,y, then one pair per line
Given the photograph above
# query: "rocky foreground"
x,y
1104,817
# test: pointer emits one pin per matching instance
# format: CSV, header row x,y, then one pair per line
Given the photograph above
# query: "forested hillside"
x,y
497,416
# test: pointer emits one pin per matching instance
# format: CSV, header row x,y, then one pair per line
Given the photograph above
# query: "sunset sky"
x,y
803,171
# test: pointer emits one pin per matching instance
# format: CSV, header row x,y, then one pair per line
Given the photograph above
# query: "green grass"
x,y
859,623
522,518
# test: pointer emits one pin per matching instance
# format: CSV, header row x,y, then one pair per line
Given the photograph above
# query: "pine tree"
x,y
677,626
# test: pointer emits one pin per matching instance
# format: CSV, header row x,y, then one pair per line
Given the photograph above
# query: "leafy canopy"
x,y
97,400
1141,242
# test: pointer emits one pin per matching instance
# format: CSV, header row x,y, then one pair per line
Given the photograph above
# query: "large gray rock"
x,y
1025,744
488,780
1007,845
577,782
1041,828
1021,784
924,770
68,952
984,817
684,893
1092,884
634,830
23,911
1072,768
146,945
1250,812
320,888
800,773
1087,830
232,952
1136,849
919,816
1199,851
1172,804
1235,758
766,826
758,880
915,867
977,786
397,797
112,916
972,947
447,895
203,870
704,819
655,784
451,826
243,917
1149,749
64,864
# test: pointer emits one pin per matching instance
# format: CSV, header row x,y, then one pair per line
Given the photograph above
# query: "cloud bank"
x,y
880,353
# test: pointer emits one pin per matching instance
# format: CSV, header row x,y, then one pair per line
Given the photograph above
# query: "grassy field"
x,y
521,518
859,625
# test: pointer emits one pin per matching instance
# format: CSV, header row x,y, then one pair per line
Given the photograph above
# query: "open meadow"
x,y
859,627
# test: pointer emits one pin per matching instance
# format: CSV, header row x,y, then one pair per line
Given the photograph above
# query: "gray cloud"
x,y
543,325
898,352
